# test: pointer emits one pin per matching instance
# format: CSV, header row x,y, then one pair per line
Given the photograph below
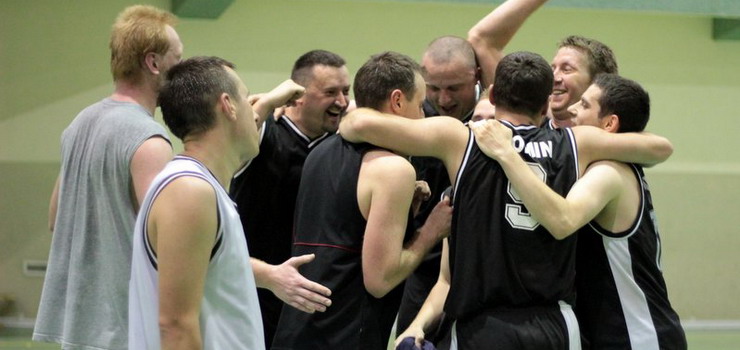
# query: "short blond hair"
x,y
138,30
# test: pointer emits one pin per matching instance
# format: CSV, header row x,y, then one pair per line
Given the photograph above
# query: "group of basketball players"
x,y
332,237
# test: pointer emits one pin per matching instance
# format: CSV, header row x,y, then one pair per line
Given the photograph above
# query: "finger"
x,y
307,304
301,307
300,260
314,288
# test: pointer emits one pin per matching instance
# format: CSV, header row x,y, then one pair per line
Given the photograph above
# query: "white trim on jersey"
x,y
637,317
246,165
574,147
571,323
640,326
302,135
471,139
145,225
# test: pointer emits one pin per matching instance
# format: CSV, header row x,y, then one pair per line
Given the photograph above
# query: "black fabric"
x,y
500,258
328,223
599,309
421,281
265,196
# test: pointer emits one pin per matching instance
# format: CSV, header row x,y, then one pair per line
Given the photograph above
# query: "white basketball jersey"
x,y
230,314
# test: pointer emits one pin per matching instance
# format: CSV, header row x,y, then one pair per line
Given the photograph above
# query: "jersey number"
x,y
516,214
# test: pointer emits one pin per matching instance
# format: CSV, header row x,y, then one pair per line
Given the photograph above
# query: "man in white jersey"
x,y
192,284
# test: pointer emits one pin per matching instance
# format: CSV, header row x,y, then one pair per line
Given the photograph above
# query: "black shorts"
x,y
536,328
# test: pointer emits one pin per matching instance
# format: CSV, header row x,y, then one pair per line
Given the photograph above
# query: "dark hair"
x,y
302,73
625,98
523,83
600,57
382,74
190,93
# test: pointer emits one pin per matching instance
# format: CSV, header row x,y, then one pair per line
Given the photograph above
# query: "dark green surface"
x,y
200,8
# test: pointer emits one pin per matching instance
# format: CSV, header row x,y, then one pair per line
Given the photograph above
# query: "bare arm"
x,y
560,216
290,286
444,138
148,160
433,306
492,33
385,190
183,231
641,148
53,204
284,94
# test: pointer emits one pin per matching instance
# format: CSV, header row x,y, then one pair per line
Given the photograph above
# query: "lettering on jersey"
x,y
536,149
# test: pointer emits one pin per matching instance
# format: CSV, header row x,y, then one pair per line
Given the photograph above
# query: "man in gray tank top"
x,y
110,153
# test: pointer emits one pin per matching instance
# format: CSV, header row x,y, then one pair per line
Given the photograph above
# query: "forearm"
x,y
546,206
53,205
433,306
262,272
641,148
180,335
491,34
655,149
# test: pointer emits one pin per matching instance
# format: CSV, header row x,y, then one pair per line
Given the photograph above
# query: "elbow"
x,y
377,287
561,229
665,150
175,330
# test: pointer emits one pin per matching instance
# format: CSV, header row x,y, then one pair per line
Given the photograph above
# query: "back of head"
x,y
601,58
138,30
625,98
382,74
523,83
302,69
445,49
189,95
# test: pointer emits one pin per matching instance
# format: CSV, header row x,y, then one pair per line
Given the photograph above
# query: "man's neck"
x,y
295,116
142,94
514,118
214,152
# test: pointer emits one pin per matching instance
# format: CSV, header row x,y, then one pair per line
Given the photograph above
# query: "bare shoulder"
x,y
608,169
187,194
385,164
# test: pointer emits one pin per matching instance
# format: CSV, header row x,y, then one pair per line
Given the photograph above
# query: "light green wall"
x,y
54,61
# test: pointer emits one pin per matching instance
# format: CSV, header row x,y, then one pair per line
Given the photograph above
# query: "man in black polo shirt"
x,y
265,189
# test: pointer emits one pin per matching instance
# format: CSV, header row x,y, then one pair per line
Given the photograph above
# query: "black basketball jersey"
x,y
547,123
622,299
500,257
265,191
329,224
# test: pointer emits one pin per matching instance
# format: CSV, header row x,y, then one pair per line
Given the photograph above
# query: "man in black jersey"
x,y
454,82
265,189
622,301
352,212
576,63
509,280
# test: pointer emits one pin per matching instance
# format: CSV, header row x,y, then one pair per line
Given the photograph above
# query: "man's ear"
x,y
490,95
150,61
610,123
227,106
396,100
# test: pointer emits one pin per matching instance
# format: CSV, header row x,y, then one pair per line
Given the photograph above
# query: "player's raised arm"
x,y
491,34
